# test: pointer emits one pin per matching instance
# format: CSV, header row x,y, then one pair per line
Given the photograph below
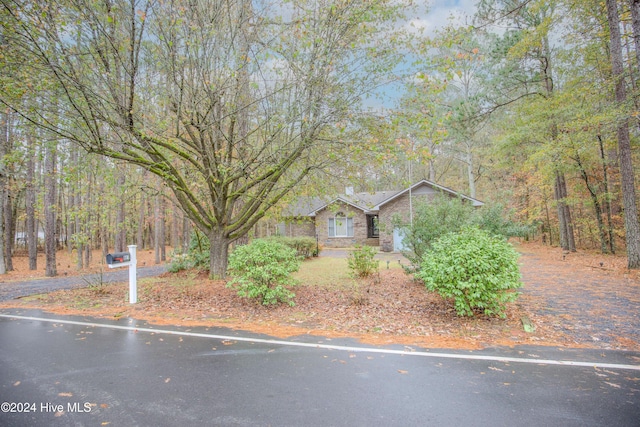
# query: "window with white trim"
x,y
340,226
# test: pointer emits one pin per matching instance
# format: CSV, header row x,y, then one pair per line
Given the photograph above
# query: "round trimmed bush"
x,y
262,269
477,270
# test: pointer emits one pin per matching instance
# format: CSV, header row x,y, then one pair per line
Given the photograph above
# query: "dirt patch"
x,y
571,301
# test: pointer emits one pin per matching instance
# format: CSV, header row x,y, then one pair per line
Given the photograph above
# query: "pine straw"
x,y
391,308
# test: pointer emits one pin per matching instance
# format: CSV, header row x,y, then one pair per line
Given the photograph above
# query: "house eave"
x,y
475,202
339,199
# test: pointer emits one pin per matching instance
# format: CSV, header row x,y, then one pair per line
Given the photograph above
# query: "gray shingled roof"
x,y
308,206
369,200
304,206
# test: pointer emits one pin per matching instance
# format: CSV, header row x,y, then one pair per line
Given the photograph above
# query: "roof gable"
x,y
369,202
424,187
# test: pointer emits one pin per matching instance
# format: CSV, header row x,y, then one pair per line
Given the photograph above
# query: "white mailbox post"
x,y
127,259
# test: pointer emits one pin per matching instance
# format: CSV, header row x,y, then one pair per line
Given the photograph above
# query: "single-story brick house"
x,y
359,218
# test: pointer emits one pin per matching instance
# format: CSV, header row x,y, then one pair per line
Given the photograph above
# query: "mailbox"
x,y
118,257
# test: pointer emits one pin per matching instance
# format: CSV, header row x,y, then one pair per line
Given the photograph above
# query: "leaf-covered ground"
x,y
570,301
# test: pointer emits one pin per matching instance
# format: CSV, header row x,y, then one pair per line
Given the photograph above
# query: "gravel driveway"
x,y
14,290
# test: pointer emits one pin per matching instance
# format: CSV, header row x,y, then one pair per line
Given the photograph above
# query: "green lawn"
x,y
333,273
328,273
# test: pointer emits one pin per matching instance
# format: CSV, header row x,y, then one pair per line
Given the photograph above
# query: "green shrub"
x,y
478,270
496,220
262,270
179,262
361,261
305,246
197,255
431,220
446,214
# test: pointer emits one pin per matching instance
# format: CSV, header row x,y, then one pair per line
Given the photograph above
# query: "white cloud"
x,y
439,13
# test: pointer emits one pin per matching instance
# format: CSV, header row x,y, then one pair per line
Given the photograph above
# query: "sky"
x,y
437,13
427,19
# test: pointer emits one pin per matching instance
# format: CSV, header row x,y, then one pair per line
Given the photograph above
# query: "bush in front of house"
x,y
361,261
305,246
431,220
262,270
446,214
479,271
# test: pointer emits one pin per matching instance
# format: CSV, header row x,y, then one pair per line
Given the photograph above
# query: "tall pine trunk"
x,y
567,239
30,203
121,231
7,196
9,226
634,6
50,198
632,226
607,199
4,128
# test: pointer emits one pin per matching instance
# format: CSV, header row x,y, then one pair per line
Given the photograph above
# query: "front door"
x,y
372,227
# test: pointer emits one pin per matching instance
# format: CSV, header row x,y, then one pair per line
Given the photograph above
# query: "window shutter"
x,y
332,229
350,227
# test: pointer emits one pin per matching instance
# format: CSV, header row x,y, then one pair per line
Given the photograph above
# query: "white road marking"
x,y
335,347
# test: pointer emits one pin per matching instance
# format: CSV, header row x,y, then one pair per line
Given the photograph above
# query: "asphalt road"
x,y
83,371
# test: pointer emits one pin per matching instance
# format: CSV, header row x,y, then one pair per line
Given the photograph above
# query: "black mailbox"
x,y
118,257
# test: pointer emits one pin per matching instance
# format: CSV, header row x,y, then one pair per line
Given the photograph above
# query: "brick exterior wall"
x,y
359,226
397,207
320,224
298,227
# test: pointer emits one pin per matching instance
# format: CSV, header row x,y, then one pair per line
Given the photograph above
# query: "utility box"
x,y
118,258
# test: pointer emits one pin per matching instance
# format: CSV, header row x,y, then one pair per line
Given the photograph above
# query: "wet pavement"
x,y
85,371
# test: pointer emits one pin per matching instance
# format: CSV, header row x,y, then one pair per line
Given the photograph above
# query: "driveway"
x,y
14,290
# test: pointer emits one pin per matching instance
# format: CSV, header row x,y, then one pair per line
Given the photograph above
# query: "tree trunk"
x,y
121,231
88,230
607,201
634,6
72,211
632,226
141,223
157,228
432,171
50,246
186,234
596,206
218,253
9,227
30,204
549,228
567,239
81,239
4,177
7,188
175,227
163,229
471,175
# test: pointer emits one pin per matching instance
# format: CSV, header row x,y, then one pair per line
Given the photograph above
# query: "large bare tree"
x,y
231,102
